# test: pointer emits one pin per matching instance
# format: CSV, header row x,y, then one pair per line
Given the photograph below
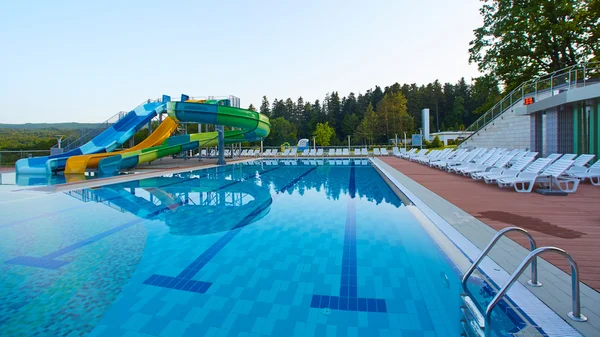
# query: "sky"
x,y
84,61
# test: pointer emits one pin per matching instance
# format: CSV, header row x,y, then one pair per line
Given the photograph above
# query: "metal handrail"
x,y
569,74
534,279
574,315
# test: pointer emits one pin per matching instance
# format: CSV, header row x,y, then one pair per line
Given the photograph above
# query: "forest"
x,y
379,114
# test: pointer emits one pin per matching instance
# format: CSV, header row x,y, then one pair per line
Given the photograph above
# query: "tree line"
x,y
378,115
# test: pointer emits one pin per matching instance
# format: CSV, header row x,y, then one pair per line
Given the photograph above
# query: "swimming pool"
x,y
279,248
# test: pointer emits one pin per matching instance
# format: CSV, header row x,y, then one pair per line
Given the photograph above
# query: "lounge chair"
x,y
266,153
305,153
356,152
471,156
320,153
500,163
441,155
525,181
376,152
243,154
274,153
456,156
384,151
286,153
498,172
582,173
338,152
407,155
345,153
364,152
570,156
482,159
395,151
583,160
488,163
331,153
312,152
293,152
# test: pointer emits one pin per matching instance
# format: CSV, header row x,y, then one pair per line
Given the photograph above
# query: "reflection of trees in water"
x,y
334,180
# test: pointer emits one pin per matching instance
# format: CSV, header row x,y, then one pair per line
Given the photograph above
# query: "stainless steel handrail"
x,y
574,315
533,282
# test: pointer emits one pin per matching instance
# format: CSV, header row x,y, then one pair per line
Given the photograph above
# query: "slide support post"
x,y
221,131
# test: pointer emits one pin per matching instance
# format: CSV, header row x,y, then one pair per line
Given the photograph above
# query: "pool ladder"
x,y
476,323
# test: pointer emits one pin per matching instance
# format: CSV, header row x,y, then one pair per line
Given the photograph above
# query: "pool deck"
x,y
571,223
476,211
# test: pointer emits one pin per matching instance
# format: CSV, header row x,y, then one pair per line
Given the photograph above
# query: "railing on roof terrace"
x,y
576,76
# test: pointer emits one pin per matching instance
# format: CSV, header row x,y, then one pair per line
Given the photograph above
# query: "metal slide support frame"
x,y
221,132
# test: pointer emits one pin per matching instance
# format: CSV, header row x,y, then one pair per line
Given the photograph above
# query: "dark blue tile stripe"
x,y
348,299
293,182
193,268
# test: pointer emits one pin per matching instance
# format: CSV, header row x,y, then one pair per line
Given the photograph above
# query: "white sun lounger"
x,y
293,152
495,173
525,181
356,152
345,153
384,151
364,152
376,152
338,152
320,153
286,153
592,173
331,153
482,159
243,154
395,151
500,163
305,153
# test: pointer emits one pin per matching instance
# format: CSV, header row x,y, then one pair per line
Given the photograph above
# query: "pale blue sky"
x,y
86,60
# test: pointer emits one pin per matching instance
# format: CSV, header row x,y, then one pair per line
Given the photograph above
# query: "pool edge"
x,y
543,315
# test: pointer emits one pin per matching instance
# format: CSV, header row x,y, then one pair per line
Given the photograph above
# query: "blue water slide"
x,y
107,141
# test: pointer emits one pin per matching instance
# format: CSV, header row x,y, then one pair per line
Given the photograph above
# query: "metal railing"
x,y
574,315
85,135
548,85
484,324
9,158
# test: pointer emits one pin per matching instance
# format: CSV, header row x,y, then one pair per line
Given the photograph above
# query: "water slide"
x,y
252,126
106,141
79,164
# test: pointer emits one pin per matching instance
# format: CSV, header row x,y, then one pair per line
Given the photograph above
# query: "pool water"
x,y
277,248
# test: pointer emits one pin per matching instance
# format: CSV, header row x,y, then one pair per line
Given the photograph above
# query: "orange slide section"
x,y
79,164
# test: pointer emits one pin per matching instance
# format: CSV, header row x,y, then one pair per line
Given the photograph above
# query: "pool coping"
x,y
546,306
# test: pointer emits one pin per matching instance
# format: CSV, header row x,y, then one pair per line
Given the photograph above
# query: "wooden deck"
x,y
571,223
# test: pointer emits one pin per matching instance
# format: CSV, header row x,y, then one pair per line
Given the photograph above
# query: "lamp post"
x,y
315,143
404,140
348,143
421,134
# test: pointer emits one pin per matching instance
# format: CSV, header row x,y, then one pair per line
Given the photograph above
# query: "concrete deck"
x,y
571,223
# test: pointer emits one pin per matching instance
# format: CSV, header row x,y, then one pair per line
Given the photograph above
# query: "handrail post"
x,y
574,315
534,279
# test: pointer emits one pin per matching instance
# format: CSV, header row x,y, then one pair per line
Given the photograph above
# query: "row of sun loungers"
x,y
512,168
315,153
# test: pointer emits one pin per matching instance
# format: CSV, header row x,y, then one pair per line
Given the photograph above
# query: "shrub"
x,y
437,142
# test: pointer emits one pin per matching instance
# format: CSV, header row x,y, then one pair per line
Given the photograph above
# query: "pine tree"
x,y
264,107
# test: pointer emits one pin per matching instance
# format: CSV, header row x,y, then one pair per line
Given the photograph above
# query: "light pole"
x,y
421,134
315,143
396,140
348,143
405,140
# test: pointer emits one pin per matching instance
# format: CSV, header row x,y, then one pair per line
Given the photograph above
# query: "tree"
x,y
264,107
349,124
393,116
436,142
323,134
281,131
523,39
251,108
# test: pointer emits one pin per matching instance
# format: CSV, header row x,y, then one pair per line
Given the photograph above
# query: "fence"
x,y
9,158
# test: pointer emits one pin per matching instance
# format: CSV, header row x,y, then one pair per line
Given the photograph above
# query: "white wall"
x,y
510,130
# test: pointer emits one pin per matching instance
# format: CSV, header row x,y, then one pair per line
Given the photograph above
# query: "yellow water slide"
x,y
79,164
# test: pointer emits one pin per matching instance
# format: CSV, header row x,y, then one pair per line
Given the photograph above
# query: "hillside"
x,y
49,126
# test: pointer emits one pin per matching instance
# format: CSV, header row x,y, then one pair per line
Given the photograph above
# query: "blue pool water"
x,y
271,248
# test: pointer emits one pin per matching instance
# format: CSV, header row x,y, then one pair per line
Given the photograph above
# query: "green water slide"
x,y
252,126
